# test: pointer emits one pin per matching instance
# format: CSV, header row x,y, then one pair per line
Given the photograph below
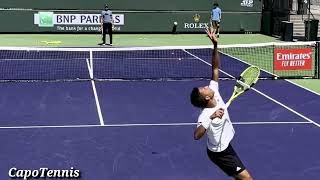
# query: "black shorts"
x,y
216,23
227,160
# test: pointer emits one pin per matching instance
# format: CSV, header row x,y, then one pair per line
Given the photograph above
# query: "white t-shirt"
x,y
219,131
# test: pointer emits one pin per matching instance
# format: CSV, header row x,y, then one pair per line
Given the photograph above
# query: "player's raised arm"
x,y
215,54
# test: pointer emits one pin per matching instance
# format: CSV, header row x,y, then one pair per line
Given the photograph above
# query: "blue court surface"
x,y
142,130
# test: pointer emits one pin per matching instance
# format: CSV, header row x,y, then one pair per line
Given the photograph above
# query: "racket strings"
x,y
250,76
247,79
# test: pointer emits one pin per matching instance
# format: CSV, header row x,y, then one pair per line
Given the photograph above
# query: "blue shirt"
x,y
216,14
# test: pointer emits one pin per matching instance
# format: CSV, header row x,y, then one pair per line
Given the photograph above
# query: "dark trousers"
x,y
107,29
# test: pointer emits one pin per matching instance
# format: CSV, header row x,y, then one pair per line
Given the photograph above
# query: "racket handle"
x,y
228,104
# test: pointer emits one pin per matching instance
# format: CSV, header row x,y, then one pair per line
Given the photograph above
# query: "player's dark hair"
x,y
216,4
106,7
197,99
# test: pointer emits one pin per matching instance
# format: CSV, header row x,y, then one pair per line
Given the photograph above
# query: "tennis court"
x,y
125,114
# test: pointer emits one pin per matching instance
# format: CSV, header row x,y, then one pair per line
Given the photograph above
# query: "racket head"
x,y
248,78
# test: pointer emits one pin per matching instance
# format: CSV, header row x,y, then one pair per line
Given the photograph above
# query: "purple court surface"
x,y
142,130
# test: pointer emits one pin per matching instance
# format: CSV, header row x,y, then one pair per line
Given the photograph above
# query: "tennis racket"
x,y
248,78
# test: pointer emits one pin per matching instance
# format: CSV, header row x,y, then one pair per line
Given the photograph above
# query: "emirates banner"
x,y
292,59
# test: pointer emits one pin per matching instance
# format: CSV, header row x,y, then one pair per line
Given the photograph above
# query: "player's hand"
x,y
211,34
218,114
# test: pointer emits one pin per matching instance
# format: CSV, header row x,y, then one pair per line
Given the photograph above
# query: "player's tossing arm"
x,y
215,54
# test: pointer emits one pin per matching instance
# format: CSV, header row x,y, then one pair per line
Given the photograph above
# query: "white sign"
x,y
49,19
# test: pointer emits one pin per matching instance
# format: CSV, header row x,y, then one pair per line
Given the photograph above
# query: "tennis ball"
x,y
175,23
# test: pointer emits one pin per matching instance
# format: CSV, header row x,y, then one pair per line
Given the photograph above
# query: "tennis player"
x,y
216,17
214,120
106,24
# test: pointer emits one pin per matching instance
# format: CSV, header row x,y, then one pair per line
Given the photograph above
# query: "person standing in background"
x,y
216,17
106,24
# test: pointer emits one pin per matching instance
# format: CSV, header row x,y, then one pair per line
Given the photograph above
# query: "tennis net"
x,y
280,60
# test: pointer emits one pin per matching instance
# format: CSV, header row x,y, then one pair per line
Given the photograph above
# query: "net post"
x,y
91,64
317,60
273,47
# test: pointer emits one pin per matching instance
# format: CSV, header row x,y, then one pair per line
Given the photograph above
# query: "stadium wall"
x,y
139,16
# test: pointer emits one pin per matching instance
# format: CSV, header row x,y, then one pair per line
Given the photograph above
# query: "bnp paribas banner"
x,y
65,22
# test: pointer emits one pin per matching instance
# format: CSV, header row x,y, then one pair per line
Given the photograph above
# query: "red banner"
x,y
292,59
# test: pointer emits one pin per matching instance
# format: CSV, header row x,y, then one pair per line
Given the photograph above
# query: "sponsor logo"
x,y
293,59
45,19
291,56
196,24
49,19
196,18
247,3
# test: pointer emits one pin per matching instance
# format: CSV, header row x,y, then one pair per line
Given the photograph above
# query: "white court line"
x,y
90,68
142,124
270,98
